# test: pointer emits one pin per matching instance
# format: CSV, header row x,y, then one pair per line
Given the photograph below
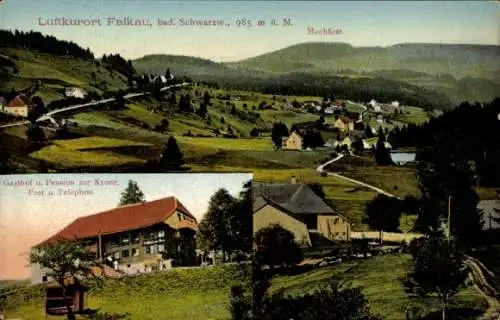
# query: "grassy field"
x,y
398,180
380,277
53,73
201,293
89,143
78,152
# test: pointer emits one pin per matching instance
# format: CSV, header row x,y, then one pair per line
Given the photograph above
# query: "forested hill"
x,y
43,43
457,60
470,132
358,89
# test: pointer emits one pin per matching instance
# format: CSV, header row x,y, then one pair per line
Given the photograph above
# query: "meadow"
x,y
186,294
380,277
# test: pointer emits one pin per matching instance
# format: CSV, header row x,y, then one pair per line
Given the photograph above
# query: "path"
x,y
321,169
481,284
362,113
48,116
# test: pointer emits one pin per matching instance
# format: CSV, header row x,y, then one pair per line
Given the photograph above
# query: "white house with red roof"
x,y
132,239
19,106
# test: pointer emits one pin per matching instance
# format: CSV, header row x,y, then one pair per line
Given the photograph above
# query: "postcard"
x,y
370,132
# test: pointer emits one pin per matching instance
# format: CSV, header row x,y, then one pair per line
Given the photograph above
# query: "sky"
x,y
363,23
27,218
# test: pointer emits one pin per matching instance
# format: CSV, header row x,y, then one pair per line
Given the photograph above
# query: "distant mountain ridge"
x,y
459,60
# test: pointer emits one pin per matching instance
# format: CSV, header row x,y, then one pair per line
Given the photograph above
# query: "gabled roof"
x,y
21,100
345,119
293,198
121,219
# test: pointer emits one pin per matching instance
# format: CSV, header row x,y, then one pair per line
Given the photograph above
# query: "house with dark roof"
x,y
297,208
133,238
19,105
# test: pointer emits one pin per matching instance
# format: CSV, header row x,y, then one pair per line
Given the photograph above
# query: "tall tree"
x,y
206,98
241,220
278,132
62,260
382,154
215,230
202,111
447,187
383,214
131,194
438,268
171,158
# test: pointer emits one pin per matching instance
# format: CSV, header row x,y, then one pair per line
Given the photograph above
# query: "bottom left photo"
x,y
124,246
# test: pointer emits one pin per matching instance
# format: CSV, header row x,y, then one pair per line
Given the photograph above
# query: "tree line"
x,y
43,43
470,132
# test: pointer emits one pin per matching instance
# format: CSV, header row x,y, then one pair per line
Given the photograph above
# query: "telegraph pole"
x,y
449,219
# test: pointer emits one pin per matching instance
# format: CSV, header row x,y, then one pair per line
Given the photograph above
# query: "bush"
x,y
276,247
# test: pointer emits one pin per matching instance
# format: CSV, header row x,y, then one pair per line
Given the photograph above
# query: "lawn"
x,y
95,142
398,180
69,158
380,277
228,144
187,294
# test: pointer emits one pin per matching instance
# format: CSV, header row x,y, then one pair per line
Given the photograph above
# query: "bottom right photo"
x,y
314,262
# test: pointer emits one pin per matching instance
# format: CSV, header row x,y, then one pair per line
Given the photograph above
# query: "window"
x,y
161,247
179,216
135,252
161,234
150,250
336,220
44,278
116,255
125,239
125,253
136,237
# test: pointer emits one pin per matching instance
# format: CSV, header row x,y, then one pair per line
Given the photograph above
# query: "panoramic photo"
x,y
371,129
124,246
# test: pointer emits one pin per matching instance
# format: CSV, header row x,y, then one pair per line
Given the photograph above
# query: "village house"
x,y
133,236
377,108
403,158
329,110
380,119
372,103
161,79
344,124
19,106
75,92
299,210
293,142
395,104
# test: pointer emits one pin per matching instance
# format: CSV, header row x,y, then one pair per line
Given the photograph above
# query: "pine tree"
x,y
202,111
382,155
172,158
131,194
